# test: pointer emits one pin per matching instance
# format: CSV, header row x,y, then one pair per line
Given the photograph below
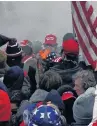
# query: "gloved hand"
x,y
5,39
31,74
31,71
12,41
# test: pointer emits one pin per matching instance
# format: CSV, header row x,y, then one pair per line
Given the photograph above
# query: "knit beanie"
x,y
68,36
2,59
50,40
13,49
83,107
14,78
52,57
70,46
57,101
5,107
44,115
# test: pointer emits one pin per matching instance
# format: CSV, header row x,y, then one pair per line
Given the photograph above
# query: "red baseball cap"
x,y
50,40
70,46
24,43
67,95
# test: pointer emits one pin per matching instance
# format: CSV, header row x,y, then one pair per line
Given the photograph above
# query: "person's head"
x,y
3,59
50,42
83,107
68,96
26,46
13,78
37,46
70,50
55,98
46,114
83,80
50,80
52,59
68,36
5,111
14,54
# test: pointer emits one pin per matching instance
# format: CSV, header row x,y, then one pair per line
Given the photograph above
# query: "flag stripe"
x,y
83,35
88,15
85,22
83,46
84,27
95,23
81,53
94,40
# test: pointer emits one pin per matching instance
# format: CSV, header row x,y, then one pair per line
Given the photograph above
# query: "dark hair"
x,y
50,80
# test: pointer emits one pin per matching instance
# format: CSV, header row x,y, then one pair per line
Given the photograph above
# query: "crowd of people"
x,y
47,87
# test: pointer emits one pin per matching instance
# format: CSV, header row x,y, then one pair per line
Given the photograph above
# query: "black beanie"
x,y
68,36
13,49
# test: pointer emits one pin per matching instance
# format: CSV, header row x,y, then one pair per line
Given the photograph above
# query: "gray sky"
x,y
33,20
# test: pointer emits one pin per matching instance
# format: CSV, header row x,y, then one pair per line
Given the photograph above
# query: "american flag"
x,y
42,115
85,27
93,124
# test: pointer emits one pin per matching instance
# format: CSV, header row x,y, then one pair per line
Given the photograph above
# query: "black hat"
x,y
13,49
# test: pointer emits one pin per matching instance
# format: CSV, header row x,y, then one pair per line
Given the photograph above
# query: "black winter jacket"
x,y
66,70
21,90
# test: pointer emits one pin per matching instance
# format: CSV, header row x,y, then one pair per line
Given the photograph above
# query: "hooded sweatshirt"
x,y
66,70
83,107
94,118
17,84
38,96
